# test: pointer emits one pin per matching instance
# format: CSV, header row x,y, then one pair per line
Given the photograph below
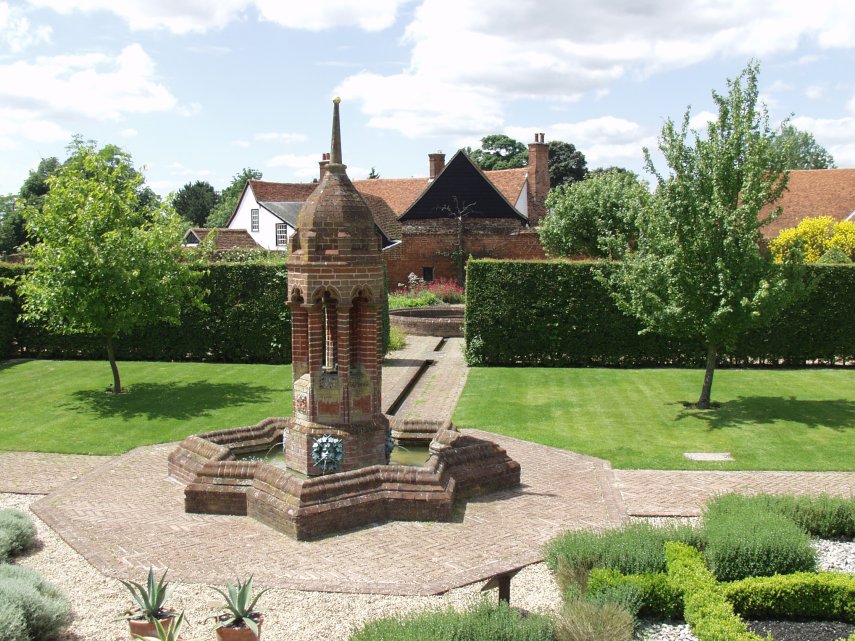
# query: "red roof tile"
x,y
281,192
813,192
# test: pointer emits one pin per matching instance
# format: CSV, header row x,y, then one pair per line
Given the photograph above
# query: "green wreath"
x,y
328,453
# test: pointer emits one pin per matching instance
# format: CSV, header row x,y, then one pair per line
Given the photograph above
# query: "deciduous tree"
x,y
567,165
800,150
595,217
108,257
498,151
698,271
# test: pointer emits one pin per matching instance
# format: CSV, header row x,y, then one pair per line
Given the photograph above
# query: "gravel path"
x,y
289,615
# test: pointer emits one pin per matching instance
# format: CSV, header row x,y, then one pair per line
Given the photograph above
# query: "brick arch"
x,y
363,292
319,292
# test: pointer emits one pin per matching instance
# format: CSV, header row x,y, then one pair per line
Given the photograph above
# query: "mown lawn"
x,y
61,406
768,419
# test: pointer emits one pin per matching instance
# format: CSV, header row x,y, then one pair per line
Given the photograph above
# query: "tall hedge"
x,y
247,321
7,326
555,313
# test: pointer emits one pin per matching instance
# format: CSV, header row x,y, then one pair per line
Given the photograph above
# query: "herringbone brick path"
x,y
41,473
435,396
128,516
667,493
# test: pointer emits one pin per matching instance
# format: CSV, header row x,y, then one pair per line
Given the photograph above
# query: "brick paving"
x,y
41,473
125,514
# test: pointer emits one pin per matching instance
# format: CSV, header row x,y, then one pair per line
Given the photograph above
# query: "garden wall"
x,y
551,313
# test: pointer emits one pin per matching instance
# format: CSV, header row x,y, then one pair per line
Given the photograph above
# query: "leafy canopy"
x,y
566,163
108,257
595,217
698,271
195,201
800,150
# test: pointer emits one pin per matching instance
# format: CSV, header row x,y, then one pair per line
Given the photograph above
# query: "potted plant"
x,y
164,631
241,622
149,609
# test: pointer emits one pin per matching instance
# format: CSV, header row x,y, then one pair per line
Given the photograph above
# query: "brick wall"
x,y
431,243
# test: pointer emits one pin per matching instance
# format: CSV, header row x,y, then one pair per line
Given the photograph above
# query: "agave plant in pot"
x,y
149,607
164,631
240,621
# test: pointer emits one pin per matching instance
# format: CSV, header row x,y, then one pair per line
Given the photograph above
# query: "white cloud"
x,y
195,16
130,132
304,166
814,92
92,85
700,120
271,136
18,124
523,49
240,143
16,31
835,134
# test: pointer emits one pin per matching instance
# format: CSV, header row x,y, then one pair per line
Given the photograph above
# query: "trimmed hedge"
x,y
555,313
705,607
7,326
743,539
824,516
660,599
247,321
826,595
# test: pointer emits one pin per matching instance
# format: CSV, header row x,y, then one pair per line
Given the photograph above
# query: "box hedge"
x,y
555,313
803,595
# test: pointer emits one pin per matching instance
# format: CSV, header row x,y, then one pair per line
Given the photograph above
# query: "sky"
x,y
200,89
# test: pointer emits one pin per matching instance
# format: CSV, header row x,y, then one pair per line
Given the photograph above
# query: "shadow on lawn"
x,y
172,400
836,414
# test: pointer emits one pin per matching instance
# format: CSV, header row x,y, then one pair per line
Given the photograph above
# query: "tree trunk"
x,y
704,400
111,356
461,273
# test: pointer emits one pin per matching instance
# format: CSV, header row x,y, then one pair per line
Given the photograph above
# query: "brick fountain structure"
x,y
336,474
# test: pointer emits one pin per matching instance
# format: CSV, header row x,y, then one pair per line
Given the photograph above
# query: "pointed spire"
x,y
335,144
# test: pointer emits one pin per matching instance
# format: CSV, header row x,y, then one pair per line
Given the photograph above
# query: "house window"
x,y
281,234
427,274
253,219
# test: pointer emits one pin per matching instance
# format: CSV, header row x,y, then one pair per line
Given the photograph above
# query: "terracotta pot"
x,y
144,628
242,633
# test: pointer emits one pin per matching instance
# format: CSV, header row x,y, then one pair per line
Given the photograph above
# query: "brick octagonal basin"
x,y
435,320
218,482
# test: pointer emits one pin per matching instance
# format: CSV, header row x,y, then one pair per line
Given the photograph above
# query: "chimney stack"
x,y
538,178
436,163
322,164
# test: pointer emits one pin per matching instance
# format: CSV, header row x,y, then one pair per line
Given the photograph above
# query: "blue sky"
x,y
199,89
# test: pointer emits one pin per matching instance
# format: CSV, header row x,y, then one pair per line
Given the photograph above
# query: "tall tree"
x,y
108,257
698,271
13,232
229,197
36,185
567,165
595,217
800,150
498,151
194,202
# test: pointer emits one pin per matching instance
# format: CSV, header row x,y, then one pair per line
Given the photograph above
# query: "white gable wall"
x,y
522,201
266,234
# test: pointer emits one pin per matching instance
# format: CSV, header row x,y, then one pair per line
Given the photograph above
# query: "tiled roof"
x,y
509,182
226,238
281,192
813,192
388,198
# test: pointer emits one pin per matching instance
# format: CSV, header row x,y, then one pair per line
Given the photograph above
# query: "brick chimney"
x,y
538,178
436,162
322,163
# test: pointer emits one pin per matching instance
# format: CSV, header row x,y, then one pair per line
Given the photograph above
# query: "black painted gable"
x,y
463,181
